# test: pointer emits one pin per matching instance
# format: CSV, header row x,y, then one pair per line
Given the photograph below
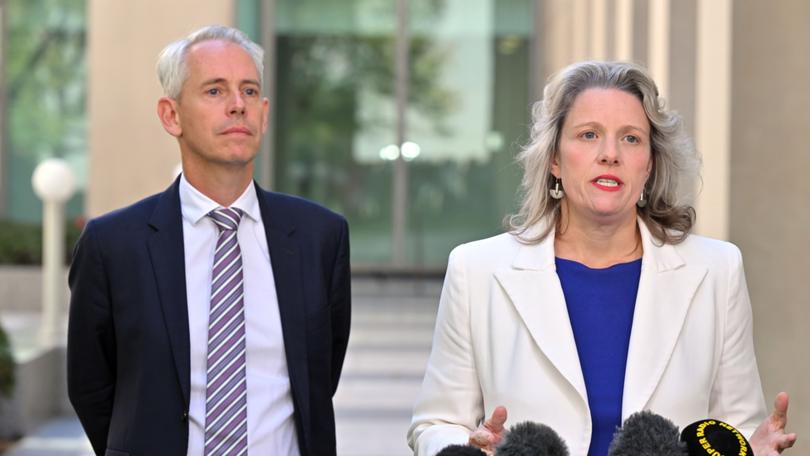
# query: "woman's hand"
x,y
770,439
491,432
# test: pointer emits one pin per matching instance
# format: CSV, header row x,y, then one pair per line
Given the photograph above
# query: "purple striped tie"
x,y
226,388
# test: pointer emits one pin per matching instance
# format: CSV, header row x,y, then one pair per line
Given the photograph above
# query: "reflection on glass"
x,y
335,117
334,83
464,180
45,98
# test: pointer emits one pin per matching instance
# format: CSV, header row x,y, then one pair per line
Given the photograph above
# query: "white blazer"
x,y
503,337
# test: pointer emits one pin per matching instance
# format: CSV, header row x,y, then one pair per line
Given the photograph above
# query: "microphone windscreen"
x,y
647,434
460,450
531,439
714,437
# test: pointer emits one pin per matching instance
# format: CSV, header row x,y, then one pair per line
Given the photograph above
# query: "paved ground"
x,y
392,326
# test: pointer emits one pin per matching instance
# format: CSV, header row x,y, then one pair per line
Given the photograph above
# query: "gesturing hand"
x,y
491,432
770,439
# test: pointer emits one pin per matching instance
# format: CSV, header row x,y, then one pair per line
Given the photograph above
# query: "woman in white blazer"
x,y
517,333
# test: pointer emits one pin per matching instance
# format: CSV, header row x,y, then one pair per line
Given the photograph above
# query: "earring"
x,y
556,192
641,200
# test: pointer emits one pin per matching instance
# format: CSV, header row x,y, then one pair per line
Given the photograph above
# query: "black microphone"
x,y
715,438
647,434
531,439
460,450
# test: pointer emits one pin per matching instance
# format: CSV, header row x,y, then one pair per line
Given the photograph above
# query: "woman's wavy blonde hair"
x,y
671,186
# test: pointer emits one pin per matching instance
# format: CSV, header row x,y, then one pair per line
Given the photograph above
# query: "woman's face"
x,y
604,156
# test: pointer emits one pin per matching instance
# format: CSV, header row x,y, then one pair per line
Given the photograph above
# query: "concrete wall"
x,y
770,213
131,156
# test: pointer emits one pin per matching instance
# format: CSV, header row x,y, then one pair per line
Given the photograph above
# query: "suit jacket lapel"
x,y
665,292
168,263
534,288
285,257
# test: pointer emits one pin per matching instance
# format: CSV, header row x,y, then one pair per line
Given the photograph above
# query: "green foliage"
x,y
45,84
6,365
45,80
21,243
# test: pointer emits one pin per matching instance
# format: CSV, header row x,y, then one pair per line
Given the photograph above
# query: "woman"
x,y
599,302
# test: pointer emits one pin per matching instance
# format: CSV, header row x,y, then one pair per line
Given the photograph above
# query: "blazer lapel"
x,y
534,288
168,263
285,257
665,292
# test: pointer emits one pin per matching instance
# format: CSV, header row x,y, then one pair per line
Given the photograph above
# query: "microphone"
x,y
647,434
531,439
715,438
460,450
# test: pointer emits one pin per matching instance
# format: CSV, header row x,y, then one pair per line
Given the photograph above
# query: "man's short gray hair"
x,y
172,66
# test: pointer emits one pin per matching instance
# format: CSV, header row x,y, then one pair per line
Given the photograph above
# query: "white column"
x,y
658,57
598,30
554,37
713,115
579,30
623,31
54,183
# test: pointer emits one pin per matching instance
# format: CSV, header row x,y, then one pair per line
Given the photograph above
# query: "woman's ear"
x,y
555,166
169,117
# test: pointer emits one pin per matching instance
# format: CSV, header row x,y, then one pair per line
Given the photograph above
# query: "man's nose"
x,y
237,105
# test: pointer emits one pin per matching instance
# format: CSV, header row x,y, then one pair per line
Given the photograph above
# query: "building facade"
x,y
406,115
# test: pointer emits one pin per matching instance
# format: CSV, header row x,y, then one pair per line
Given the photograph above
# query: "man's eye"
x,y
212,91
251,92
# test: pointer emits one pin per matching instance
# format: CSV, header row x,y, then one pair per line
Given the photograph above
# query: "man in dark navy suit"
x,y
212,318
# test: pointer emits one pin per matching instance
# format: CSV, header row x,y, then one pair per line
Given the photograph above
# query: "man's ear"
x,y
169,117
265,114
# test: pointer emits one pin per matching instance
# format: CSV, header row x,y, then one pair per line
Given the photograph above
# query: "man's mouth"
x,y
237,130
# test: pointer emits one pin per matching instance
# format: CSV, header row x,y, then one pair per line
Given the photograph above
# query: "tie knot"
x,y
226,218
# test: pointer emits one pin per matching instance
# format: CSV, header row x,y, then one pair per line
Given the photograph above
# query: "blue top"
x,y
600,306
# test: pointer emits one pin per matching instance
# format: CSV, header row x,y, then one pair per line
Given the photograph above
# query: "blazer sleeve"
x,y
450,404
91,344
340,303
737,392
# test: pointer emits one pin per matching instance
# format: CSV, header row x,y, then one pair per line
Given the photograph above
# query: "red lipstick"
x,y
608,183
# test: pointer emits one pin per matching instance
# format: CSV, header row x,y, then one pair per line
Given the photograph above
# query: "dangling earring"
x,y
556,192
641,200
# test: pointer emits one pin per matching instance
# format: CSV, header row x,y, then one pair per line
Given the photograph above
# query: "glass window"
x,y
336,117
45,96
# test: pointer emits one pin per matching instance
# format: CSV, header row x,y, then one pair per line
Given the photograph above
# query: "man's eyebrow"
x,y
213,81
221,80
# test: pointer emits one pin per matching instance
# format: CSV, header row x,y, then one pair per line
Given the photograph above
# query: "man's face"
x,y
220,114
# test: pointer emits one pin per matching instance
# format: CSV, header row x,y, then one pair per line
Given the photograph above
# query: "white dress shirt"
x,y
271,428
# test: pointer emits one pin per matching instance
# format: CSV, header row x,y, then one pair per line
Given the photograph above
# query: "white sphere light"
x,y
410,150
53,180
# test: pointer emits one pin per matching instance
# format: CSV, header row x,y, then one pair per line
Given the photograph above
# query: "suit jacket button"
x,y
184,418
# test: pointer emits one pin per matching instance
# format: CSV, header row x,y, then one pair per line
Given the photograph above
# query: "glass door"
x,y
403,115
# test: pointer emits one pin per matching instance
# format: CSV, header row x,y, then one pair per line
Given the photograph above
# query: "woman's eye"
x,y
632,139
589,135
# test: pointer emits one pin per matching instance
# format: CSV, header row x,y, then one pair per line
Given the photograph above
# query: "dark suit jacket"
x,y
128,342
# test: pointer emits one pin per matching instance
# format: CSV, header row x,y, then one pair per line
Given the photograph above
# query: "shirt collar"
x,y
195,206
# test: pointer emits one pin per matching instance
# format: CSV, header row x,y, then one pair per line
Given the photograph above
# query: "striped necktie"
x,y
226,385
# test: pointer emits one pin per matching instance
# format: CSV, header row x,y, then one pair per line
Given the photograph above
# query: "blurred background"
x,y
404,115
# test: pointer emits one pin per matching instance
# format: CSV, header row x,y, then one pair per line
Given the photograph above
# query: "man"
x,y
211,318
